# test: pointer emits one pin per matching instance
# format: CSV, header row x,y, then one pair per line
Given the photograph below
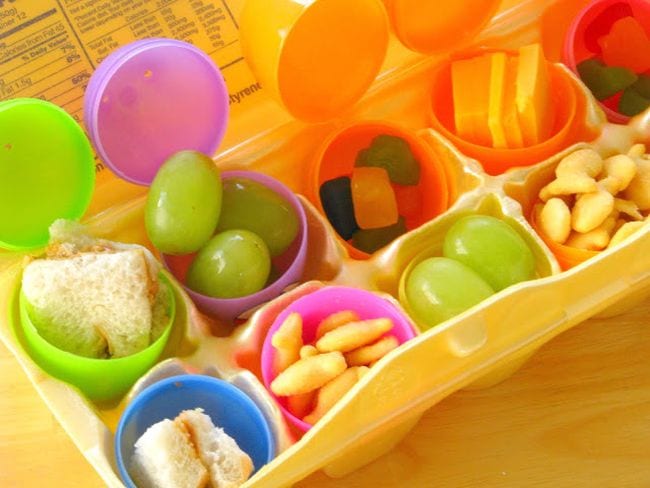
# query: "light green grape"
x,y
252,206
234,263
491,248
184,203
440,288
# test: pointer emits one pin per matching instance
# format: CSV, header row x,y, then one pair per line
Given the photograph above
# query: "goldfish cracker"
x,y
618,172
353,335
318,380
626,230
335,320
596,216
333,391
594,240
636,151
568,185
301,405
628,208
287,341
308,351
309,374
591,210
373,198
576,173
555,220
639,188
369,354
583,161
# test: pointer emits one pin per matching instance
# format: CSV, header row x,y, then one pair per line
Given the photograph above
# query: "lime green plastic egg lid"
x,y
46,171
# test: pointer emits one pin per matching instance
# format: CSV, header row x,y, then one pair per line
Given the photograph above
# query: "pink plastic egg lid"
x,y
151,99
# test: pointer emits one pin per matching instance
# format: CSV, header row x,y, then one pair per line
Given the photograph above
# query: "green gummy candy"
x,y
370,240
632,103
605,81
642,86
394,155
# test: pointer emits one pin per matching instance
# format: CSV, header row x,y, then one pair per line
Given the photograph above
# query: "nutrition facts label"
x,y
50,48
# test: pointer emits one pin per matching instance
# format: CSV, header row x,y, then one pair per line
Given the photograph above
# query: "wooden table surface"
x,y
577,414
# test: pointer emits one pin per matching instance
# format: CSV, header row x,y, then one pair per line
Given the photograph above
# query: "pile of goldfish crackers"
x,y
313,377
595,203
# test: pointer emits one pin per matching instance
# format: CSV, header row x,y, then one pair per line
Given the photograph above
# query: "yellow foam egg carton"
x,y
477,348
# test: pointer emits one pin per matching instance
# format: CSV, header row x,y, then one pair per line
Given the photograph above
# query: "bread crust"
x,y
228,465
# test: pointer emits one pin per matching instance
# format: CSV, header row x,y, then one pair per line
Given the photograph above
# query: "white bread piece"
x,y
228,465
164,457
68,238
92,301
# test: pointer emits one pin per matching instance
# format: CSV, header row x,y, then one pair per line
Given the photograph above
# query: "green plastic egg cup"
x,y
101,380
47,171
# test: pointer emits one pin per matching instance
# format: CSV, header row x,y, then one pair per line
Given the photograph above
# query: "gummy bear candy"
x,y
394,155
602,24
632,102
642,86
373,197
605,81
370,240
336,198
627,45
409,200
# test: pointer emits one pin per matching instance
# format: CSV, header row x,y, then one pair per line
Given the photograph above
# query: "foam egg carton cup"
x,y
475,349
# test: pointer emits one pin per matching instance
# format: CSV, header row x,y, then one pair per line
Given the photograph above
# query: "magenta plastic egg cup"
x,y
315,307
640,10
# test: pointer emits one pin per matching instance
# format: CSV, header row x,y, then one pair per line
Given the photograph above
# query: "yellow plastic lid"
x,y
47,171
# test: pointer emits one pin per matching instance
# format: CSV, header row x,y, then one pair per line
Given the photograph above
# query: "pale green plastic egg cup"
x,y
101,380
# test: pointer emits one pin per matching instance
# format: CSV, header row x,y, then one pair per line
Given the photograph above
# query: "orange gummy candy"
x,y
373,197
409,201
626,45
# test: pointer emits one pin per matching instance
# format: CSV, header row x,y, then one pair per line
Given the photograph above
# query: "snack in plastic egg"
x,y
234,263
184,203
